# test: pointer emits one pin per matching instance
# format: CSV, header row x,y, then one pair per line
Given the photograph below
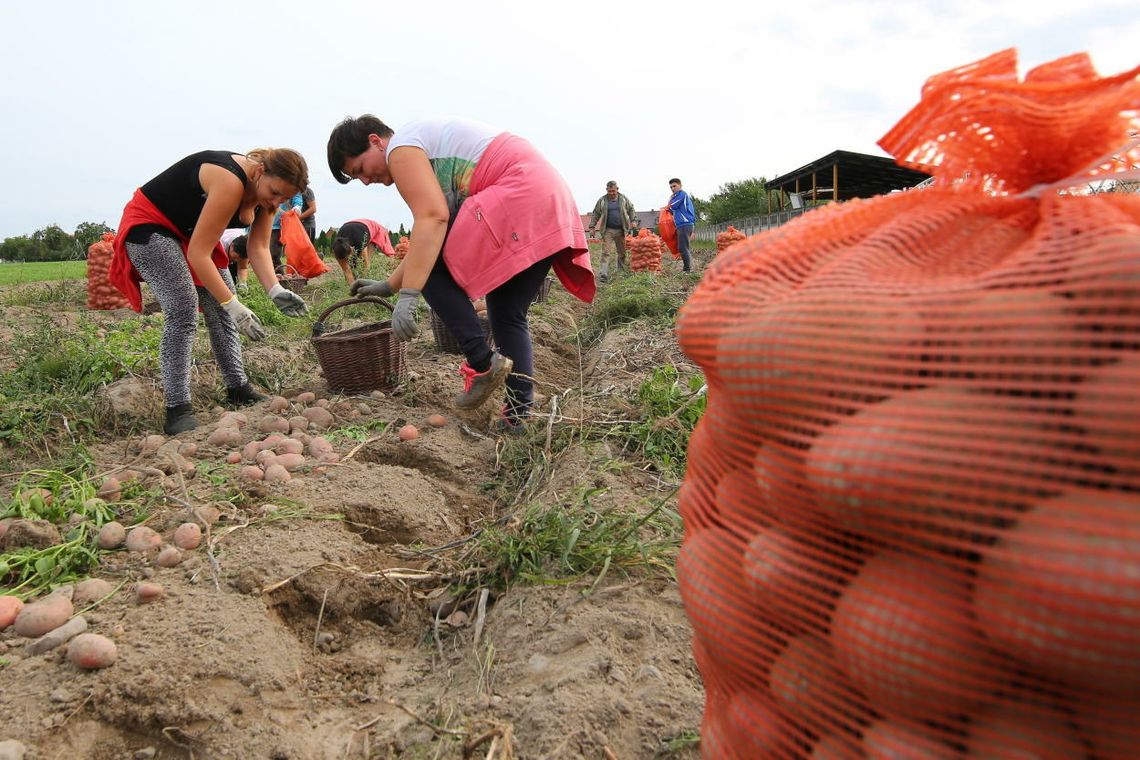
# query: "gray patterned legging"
x,y
162,264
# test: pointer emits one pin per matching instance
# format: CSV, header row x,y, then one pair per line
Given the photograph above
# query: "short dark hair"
x,y
674,180
342,249
349,139
239,246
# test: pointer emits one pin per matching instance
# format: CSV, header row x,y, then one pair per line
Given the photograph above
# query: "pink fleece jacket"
x,y
519,212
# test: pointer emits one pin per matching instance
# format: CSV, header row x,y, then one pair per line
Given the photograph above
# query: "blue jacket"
x,y
293,203
682,207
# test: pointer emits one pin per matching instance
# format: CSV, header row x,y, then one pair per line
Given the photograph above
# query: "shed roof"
x,y
861,175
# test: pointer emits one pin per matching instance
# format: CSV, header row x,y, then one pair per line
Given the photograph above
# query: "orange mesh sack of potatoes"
x,y
645,252
402,247
727,238
101,294
912,508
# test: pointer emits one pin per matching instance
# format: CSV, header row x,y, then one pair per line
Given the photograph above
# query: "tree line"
x,y
731,201
52,243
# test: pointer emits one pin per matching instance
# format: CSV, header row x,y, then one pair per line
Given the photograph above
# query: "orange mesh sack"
x,y
101,294
912,508
402,247
299,251
645,252
727,238
668,229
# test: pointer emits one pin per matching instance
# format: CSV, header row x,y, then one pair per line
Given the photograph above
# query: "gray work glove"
x,y
247,322
379,288
290,304
404,315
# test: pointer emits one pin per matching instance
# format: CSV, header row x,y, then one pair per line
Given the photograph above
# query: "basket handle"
x,y
319,325
283,270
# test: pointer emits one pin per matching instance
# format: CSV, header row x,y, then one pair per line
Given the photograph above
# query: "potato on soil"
x,y
251,472
224,436
272,423
290,446
265,457
409,433
110,489
152,443
276,473
188,449
170,556
143,539
234,457
319,418
291,462
146,592
319,446
188,536
437,420
278,404
270,441
45,615
90,590
298,423
112,535
10,607
236,419
307,397
91,651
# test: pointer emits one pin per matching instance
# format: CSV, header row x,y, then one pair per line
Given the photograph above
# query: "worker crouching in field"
x,y
490,218
355,241
169,236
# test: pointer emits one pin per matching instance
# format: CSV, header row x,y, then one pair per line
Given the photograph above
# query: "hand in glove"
x,y
404,315
290,304
379,288
247,322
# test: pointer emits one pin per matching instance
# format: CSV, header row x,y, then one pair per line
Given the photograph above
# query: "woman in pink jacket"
x,y
491,217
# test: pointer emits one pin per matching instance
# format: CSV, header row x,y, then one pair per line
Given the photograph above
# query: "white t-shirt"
x,y
231,233
453,146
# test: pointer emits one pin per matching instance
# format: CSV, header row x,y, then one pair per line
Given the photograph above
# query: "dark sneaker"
x,y
179,419
510,425
244,395
478,386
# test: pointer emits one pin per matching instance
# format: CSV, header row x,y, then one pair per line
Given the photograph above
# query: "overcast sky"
x,y
101,96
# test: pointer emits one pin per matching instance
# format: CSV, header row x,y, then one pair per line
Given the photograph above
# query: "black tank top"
x,y
179,195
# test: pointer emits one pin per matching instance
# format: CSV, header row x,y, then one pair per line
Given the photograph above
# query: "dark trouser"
x,y
684,232
311,231
507,307
276,249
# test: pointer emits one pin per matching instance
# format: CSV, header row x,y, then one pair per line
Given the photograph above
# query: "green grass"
x,y
42,271
669,409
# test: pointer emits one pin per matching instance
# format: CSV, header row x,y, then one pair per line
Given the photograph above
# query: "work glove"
x,y
380,288
243,287
247,322
404,315
289,303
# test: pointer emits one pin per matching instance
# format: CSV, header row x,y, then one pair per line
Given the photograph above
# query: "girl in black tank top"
x,y
178,193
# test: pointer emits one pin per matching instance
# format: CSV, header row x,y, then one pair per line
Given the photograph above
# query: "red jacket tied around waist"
x,y
123,274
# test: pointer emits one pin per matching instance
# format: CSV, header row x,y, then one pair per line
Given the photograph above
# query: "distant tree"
x,y
19,248
56,245
737,199
90,232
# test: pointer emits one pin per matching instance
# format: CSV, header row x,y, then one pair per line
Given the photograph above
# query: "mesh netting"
x,y
912,508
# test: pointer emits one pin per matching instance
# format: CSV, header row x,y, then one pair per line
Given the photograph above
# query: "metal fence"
x,y
749,225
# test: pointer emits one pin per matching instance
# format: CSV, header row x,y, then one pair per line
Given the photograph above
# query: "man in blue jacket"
x,y
685,217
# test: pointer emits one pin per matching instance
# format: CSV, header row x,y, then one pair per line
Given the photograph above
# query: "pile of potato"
x,y
645,252
101,294
402,247
728,237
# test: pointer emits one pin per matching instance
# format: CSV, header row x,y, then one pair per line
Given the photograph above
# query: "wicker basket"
x,y
446,342
543,290
294,282
365,358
